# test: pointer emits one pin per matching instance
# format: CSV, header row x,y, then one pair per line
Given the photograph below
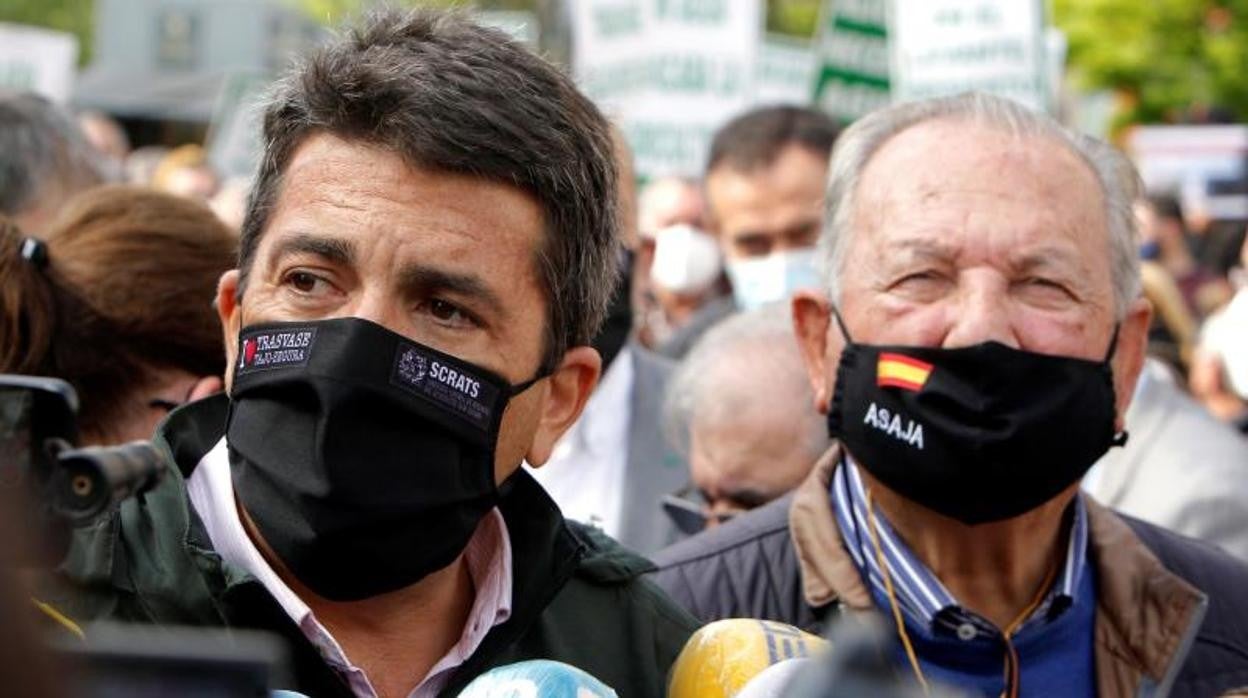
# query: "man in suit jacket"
x,y
612,468
1181,468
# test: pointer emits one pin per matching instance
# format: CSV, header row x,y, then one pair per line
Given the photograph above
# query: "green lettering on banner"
x,y
852,74
691,11
691,74
669,146
17,76
852,27
617,20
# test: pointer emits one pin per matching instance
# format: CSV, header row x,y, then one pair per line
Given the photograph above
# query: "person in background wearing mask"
x,y
44,161
687,291
429,250
975,347
612,467
116,303
764,189
743,451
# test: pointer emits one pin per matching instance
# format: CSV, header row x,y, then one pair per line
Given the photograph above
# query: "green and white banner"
x,y
786,71
37,60
669,72
942,47
852,77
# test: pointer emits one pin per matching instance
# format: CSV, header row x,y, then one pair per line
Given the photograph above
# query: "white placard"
x,y
669,72
852,58
38,60
943,47
520,25
234,137
786,71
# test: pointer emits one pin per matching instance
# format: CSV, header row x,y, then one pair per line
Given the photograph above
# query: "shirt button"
x,y
967,632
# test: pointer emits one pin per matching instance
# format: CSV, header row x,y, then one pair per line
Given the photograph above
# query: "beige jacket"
x,y
1146,616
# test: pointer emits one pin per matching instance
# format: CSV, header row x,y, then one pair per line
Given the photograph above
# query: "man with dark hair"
x,y
764,191
428,252
44,160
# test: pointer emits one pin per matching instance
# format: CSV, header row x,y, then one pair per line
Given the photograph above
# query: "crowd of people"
x,y
441,389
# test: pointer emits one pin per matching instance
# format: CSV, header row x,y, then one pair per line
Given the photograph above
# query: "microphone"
x,y
537,678
860,665
773,682
723,656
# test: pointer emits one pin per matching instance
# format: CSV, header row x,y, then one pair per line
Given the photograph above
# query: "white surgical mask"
x,y
757,281
686,260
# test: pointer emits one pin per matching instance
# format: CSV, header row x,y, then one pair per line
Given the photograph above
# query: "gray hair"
x,y
446,94
1120,185
42,150
750,356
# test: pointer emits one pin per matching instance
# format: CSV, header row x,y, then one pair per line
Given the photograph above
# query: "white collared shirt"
x,y
488,556
585,473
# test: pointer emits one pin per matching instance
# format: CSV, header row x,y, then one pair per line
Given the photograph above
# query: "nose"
x,y
371,302
979,313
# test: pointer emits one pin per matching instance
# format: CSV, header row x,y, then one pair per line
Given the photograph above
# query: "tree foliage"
x,y
1169,60
793,17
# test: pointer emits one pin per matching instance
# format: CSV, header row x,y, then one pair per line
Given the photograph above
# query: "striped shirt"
x,y
923,600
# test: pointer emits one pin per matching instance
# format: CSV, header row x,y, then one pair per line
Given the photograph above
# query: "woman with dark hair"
x,y
116,299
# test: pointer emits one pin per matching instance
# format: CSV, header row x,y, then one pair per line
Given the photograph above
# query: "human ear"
x,y
1128,358
569,389
204,387
812,319
228,311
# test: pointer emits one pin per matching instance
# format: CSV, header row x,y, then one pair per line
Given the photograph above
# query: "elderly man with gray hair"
x,y
744,450
975,349
44,160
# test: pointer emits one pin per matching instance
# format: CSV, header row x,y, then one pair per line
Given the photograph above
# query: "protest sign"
x,y
669,72
37,60
943,47
852,73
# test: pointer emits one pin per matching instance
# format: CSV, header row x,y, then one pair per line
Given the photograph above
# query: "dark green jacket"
x,y
577,596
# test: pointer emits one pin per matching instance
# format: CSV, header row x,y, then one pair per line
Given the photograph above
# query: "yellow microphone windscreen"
x,y
723,656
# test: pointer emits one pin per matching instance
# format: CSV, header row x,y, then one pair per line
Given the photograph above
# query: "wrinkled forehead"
x,y
974,179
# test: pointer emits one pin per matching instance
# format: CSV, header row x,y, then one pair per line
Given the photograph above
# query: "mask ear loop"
x,y
841,324
1120,439
1113,343
521,387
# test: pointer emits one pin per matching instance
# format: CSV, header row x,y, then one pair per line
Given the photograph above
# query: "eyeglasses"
x,y
688,510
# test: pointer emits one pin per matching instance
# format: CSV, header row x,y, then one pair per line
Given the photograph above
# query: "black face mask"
x,y
365,460
979,434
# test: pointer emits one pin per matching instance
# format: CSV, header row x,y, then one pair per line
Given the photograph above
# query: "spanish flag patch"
x,y
898,371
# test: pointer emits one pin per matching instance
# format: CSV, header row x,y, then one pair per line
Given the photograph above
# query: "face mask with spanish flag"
x,y
980,433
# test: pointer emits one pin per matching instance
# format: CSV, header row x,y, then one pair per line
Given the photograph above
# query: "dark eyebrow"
x,y
421,281
801,228
335,250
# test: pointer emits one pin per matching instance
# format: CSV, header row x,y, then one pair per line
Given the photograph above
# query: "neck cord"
x,y
1011,668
